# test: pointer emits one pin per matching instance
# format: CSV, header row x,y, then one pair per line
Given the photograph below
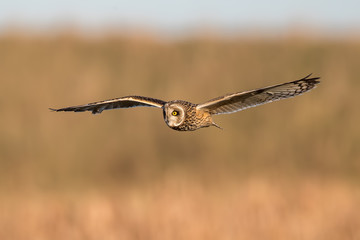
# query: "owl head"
x,y
174,114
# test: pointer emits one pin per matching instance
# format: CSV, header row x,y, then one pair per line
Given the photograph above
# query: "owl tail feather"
x,y
214,124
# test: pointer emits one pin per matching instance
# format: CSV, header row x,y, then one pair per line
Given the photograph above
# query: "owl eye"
x,y
175,113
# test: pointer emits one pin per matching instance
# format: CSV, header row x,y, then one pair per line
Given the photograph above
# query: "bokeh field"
x,y
286,170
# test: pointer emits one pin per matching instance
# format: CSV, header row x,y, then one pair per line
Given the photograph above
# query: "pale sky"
x,y
167,15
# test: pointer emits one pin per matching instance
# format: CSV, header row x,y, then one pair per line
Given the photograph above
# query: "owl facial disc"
x,y
174,114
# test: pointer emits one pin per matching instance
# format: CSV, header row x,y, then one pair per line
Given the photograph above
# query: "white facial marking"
x,y
174,115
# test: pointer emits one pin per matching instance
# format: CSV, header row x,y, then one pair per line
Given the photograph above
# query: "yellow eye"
x,y
175,113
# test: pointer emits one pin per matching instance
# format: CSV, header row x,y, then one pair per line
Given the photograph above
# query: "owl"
x,y
186,116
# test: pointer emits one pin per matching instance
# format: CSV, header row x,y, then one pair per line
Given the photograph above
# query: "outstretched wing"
x,y
123,102
239,101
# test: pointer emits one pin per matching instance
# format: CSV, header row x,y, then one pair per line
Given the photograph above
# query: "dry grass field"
x,y
181,209
286,170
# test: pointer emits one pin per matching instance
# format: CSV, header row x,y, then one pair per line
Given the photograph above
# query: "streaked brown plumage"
x,y
185,116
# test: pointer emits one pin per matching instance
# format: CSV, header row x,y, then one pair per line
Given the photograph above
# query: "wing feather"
x,y
242,100
123,102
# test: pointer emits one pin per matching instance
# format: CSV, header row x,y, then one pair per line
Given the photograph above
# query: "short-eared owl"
x,y
185,116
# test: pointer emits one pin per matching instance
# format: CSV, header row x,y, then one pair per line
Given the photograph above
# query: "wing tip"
x,y
68,109
54,110
72,109
314,80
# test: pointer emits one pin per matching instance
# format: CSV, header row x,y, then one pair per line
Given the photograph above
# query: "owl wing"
x,y
239,101
123,102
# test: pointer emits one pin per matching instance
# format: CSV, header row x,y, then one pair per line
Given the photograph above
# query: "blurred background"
x,y
286,170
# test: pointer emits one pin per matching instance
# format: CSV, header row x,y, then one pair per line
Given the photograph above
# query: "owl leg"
x,y
214,124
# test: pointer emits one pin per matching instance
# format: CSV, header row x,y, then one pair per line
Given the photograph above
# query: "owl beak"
x,y
214,124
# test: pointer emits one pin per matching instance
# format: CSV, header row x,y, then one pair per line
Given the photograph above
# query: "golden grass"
x,y
287,170
182,209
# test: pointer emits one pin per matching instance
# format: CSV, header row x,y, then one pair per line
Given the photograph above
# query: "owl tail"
x,y
214,124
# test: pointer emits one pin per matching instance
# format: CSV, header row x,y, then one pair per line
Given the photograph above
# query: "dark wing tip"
x,y
67,109
314,80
